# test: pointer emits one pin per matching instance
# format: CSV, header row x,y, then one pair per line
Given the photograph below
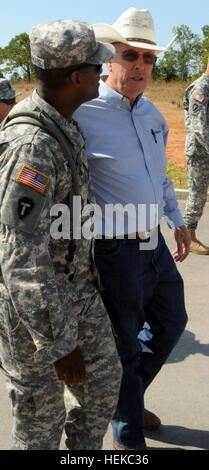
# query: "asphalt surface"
x,y
179,395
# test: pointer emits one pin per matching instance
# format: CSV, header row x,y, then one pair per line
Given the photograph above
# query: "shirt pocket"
x,y
157,149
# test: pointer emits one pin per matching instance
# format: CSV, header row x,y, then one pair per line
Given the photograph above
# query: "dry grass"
x,y
171,92
23,87
156,91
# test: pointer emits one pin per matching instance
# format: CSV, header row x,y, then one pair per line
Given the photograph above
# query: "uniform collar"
x,y
63,123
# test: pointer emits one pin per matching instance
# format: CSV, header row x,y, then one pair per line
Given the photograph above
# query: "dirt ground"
x,y
176,138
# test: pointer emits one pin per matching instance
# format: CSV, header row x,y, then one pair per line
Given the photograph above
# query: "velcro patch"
x,y
33,178
199,98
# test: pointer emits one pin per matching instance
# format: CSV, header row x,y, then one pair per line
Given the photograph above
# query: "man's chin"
x,y
138,86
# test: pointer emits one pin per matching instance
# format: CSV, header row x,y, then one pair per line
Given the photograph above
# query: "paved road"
x,y
180,393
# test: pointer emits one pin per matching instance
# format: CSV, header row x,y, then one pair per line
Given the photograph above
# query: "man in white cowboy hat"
x,y
140,284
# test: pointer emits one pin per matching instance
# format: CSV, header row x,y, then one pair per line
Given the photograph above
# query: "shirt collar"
x,y
116,99
113,97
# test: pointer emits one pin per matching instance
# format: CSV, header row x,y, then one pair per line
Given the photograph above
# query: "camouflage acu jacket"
x,y
34,275
196,106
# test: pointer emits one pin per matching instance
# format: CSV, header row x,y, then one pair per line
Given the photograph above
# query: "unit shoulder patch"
x,y
33,178
25,206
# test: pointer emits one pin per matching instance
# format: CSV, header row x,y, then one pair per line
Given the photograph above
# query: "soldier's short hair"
x,y
52,78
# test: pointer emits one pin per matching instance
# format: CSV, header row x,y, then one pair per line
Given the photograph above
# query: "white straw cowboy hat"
x,y
133,27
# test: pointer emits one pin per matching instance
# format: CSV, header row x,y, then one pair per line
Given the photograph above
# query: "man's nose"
x,y
139,62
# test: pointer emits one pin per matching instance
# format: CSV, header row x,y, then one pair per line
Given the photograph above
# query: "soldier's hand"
x,y
183,243
71,368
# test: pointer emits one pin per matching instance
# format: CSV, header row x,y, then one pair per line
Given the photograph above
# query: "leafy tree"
x,y
166,69
15,77
205,47
188,53
16,57
1,60
185,58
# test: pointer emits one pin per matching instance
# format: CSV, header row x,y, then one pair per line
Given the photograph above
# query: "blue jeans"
x,y
139,286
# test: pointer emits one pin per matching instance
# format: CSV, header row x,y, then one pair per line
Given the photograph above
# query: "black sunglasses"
x,y
131,56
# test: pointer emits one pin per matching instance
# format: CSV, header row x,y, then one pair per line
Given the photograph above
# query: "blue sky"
x,y
18,16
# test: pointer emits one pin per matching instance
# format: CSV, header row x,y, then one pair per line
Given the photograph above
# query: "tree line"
x,y
186,59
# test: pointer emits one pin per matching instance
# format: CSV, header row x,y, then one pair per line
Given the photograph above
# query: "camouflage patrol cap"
x,y
6,90
65,43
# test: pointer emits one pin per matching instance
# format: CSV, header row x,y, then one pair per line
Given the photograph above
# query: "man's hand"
x,y
71,368
183,243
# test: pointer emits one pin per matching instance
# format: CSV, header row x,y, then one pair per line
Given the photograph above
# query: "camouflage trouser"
x,y
92,404
38,397
198,179
38,410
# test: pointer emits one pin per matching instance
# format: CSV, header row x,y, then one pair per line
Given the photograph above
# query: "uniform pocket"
x,y
23,403
16,342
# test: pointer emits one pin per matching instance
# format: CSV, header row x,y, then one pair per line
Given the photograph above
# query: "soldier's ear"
x,y
75,77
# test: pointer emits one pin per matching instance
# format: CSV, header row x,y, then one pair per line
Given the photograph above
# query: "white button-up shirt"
x,y
126,152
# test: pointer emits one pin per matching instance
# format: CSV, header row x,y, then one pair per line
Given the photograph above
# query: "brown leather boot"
x,y
151,421
196,246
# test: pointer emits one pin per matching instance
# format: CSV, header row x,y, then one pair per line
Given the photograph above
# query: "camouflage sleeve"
x,y
197,120
26,196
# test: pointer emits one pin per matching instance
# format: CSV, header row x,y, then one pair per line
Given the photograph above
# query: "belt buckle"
x,y
147,234
144,235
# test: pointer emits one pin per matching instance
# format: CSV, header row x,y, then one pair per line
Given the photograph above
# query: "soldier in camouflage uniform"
x,y
53,326
196,106
7,98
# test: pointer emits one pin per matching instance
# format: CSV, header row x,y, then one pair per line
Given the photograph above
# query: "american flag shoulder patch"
x,y
199,98
33,178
